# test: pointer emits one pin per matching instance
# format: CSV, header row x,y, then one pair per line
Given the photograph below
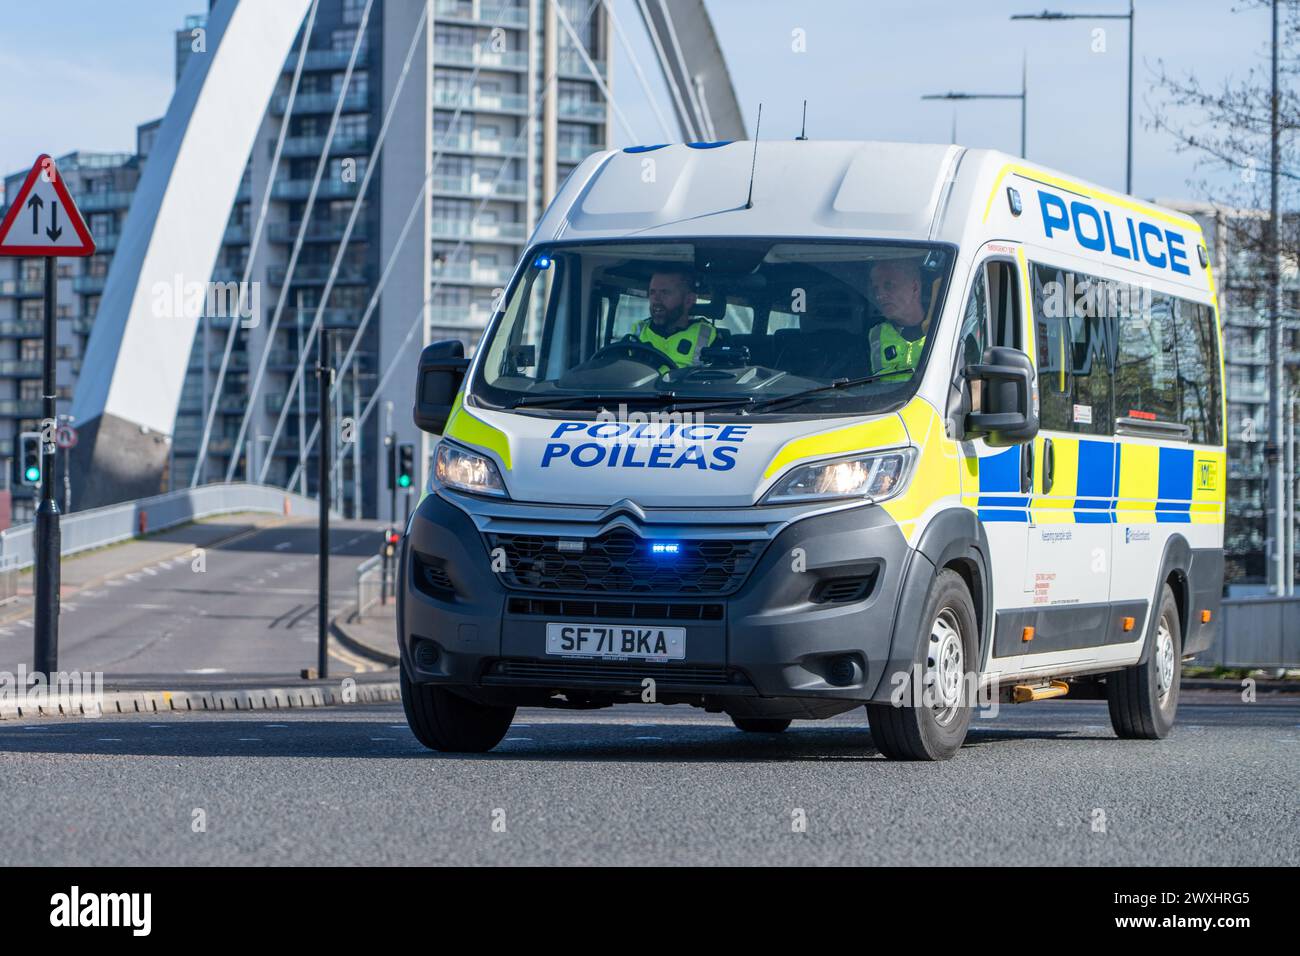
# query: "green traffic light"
x,y
33,473
403,481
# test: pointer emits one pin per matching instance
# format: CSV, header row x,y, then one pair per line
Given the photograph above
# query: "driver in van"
x,y
897,343
670,328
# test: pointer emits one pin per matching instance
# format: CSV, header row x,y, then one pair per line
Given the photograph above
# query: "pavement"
x,y
1042,784
234,598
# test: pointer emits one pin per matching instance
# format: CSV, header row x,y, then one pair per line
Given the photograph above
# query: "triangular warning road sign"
x,y
42,219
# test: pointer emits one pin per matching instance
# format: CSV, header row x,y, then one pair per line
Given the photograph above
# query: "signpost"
x,y
44,221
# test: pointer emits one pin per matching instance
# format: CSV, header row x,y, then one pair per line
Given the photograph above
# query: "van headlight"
x,y
875,477
464,470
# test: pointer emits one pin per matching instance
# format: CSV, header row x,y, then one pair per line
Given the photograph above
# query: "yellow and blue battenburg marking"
x,y
1099,482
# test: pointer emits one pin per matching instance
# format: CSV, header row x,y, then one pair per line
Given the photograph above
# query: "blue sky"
x,y
82,74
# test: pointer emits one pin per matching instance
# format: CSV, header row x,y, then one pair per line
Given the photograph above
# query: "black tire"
x,y
760,725
444,721
915,730
1143,699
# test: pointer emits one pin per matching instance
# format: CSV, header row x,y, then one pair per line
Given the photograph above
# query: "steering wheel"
x,y
633,349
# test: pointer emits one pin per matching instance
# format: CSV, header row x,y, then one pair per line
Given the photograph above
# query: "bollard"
x,y
144,523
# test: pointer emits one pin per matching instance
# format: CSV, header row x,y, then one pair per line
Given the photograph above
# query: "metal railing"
x,y
370,583
98,527
8,579
1257,632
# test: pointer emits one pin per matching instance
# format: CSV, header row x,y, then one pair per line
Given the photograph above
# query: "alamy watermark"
x,y
65,691
180,299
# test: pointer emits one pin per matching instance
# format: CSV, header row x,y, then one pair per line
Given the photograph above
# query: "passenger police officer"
x,y
896,343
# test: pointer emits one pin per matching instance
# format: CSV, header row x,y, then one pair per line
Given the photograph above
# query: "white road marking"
x,y
282,546
26,623
207,670
647,738
249,739
529,739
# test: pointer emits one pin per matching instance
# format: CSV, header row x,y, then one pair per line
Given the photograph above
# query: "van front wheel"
x,y
1144,698
445,721
934,727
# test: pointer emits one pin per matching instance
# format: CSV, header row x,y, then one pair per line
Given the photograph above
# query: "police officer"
x,y
897,343
670,328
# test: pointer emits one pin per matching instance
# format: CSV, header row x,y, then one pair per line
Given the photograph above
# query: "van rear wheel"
x,y
443,720
934,727
760,725
1144,698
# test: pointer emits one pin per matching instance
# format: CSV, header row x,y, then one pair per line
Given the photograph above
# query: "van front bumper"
x,y
809,633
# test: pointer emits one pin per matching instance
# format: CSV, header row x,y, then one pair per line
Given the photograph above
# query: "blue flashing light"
x,y
542,262
665,548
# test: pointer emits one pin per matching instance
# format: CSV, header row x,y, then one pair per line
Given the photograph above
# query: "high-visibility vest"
x,y
891,351
682,348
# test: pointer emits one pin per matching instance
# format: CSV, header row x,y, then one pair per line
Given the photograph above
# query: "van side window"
x,y
1146,366
1200,395
1074,353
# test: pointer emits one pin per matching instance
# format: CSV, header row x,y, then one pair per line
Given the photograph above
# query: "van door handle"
x,y
1049,466
1027,468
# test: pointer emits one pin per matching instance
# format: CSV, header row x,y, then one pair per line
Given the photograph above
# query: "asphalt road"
x,y
1043,783
249,608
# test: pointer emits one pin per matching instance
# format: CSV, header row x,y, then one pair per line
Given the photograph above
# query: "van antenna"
x,y
803,127
753,165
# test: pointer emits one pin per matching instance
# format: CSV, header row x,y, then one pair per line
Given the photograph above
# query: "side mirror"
x,y
440,376
1006,415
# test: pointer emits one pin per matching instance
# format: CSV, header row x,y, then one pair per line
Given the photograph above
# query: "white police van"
x,y
914,422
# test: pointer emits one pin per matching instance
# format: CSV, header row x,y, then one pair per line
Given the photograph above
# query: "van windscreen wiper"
x,y
566,401
836,385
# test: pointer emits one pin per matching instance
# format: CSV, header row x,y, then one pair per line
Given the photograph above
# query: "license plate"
x,y
616,641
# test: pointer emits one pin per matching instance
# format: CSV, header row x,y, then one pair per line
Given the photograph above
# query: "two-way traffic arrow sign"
x,y
42,219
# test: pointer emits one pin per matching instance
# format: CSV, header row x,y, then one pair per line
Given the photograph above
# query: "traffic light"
x,y
405,464
29,458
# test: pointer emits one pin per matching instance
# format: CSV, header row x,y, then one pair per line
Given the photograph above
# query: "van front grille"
x,y
620,562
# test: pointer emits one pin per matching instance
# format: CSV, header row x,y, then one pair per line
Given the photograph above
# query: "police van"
x,y
894,425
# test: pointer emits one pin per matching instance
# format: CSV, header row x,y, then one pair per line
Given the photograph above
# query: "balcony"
x,y
480,100
473,186
330,188
341,143
107,242
327,59
469,229
88,284
22,328
103,201
576,152
326,230
235,235
355,101
1250,392
571,63
82,324
315,273
579,110
472,274
477,55
21,368
459,317
22,408
26,288
487,14
466,143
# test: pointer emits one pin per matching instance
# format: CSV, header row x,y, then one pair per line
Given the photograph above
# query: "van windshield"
x,y
752,326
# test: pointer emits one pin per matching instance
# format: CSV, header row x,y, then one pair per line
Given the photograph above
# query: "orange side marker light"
x,y
1027,634
1128,623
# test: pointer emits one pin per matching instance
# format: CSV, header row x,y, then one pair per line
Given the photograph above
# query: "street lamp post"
x,y
1022,96
1053,15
